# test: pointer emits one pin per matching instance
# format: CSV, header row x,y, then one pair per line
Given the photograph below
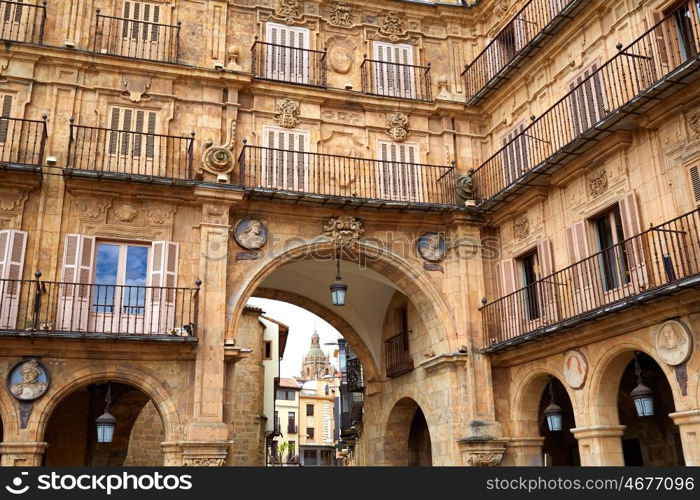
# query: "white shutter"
x,y
586,275
13,245
5,112
287,59
161,299
77,272
394,74
399,177
287,166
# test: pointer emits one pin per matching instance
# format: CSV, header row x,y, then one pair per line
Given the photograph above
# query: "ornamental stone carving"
x,y
597,182
288,113
341,15
694,123
158,213
203,462
482,452
288,9
341,55
91,207
398,126
521,227
674,342
126,212
465,186
484,459
219,159
393,27
344,230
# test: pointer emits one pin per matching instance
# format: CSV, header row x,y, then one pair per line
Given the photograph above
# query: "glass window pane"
x,y
106,268
134,295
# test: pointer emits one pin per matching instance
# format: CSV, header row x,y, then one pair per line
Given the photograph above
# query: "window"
x,y
143,26
276,421
291,422
268,349
13,245
326,457
286,395
684,19
310,457
310,433
309,410
587,100
613,261
394,73
286,53
399,176
516,157
292,450
132,132
529,267
5,112
285,162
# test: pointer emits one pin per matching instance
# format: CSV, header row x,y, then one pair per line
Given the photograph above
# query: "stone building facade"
x,y
163,161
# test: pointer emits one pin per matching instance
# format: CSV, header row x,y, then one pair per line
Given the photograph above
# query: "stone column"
x,y
600,444
207,435
22,454
689,424
524,452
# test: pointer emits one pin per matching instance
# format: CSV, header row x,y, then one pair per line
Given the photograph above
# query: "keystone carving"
x,y
288,113
344,230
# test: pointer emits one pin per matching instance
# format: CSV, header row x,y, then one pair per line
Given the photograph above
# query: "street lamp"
x,y
106,422
553,412
642,396
338,289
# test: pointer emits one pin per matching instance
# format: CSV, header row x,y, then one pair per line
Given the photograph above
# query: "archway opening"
x,y
651,440
560,447
71,431
419,448
407,436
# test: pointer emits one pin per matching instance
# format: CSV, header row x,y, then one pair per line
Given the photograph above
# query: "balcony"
x,y
279,173
22,22
288,64
661,62
124,154
529,30
402,81
659,261
22,143
119,36
398,358
353,377
37,308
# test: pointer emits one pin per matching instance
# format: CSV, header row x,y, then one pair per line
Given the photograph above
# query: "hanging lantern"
x,y
338,289
642,395
106,422
553,412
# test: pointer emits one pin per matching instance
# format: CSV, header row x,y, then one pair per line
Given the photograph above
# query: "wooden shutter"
x,y
287,166
13,245
507,276
393,73
399,176
5,113
694,173
515,155
580,280
77,272
548,287
507,318
631,226
287,59
662,47
160,306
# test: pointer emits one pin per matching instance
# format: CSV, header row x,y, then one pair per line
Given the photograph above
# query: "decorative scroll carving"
x,y
159,213
203,462
219,159
92,207
288,113
398,126
344,230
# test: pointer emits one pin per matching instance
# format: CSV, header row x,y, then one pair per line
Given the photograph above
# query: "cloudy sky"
x,y
301,325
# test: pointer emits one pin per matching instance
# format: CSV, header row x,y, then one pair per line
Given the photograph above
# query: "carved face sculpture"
x,y
25,381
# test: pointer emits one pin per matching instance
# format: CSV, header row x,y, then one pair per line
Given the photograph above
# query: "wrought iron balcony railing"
x,y
125,37
660,62
22,22
272,171
353,376
37,307
22,141
660,260
403,81
124,153
531,28
398,357
289,64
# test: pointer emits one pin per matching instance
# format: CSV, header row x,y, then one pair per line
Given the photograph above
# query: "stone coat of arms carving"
x,y
393,26
344,230
398,126
597,182
341,15
288,113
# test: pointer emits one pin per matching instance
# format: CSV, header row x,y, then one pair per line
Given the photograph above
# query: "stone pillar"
x,y
22,454
207,435
600,445
524,452
689,424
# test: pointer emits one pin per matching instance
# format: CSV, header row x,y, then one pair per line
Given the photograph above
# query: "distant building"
x,y
316,363
284,447
317,435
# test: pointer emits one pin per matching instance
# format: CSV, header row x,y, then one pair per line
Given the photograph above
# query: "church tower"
x,y
316,363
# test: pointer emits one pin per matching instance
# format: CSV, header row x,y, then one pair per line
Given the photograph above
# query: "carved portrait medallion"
x,y
28,380
674,342
250,233
432,246
575,369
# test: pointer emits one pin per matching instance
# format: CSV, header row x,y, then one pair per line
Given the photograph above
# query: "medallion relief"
x,y
674,342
